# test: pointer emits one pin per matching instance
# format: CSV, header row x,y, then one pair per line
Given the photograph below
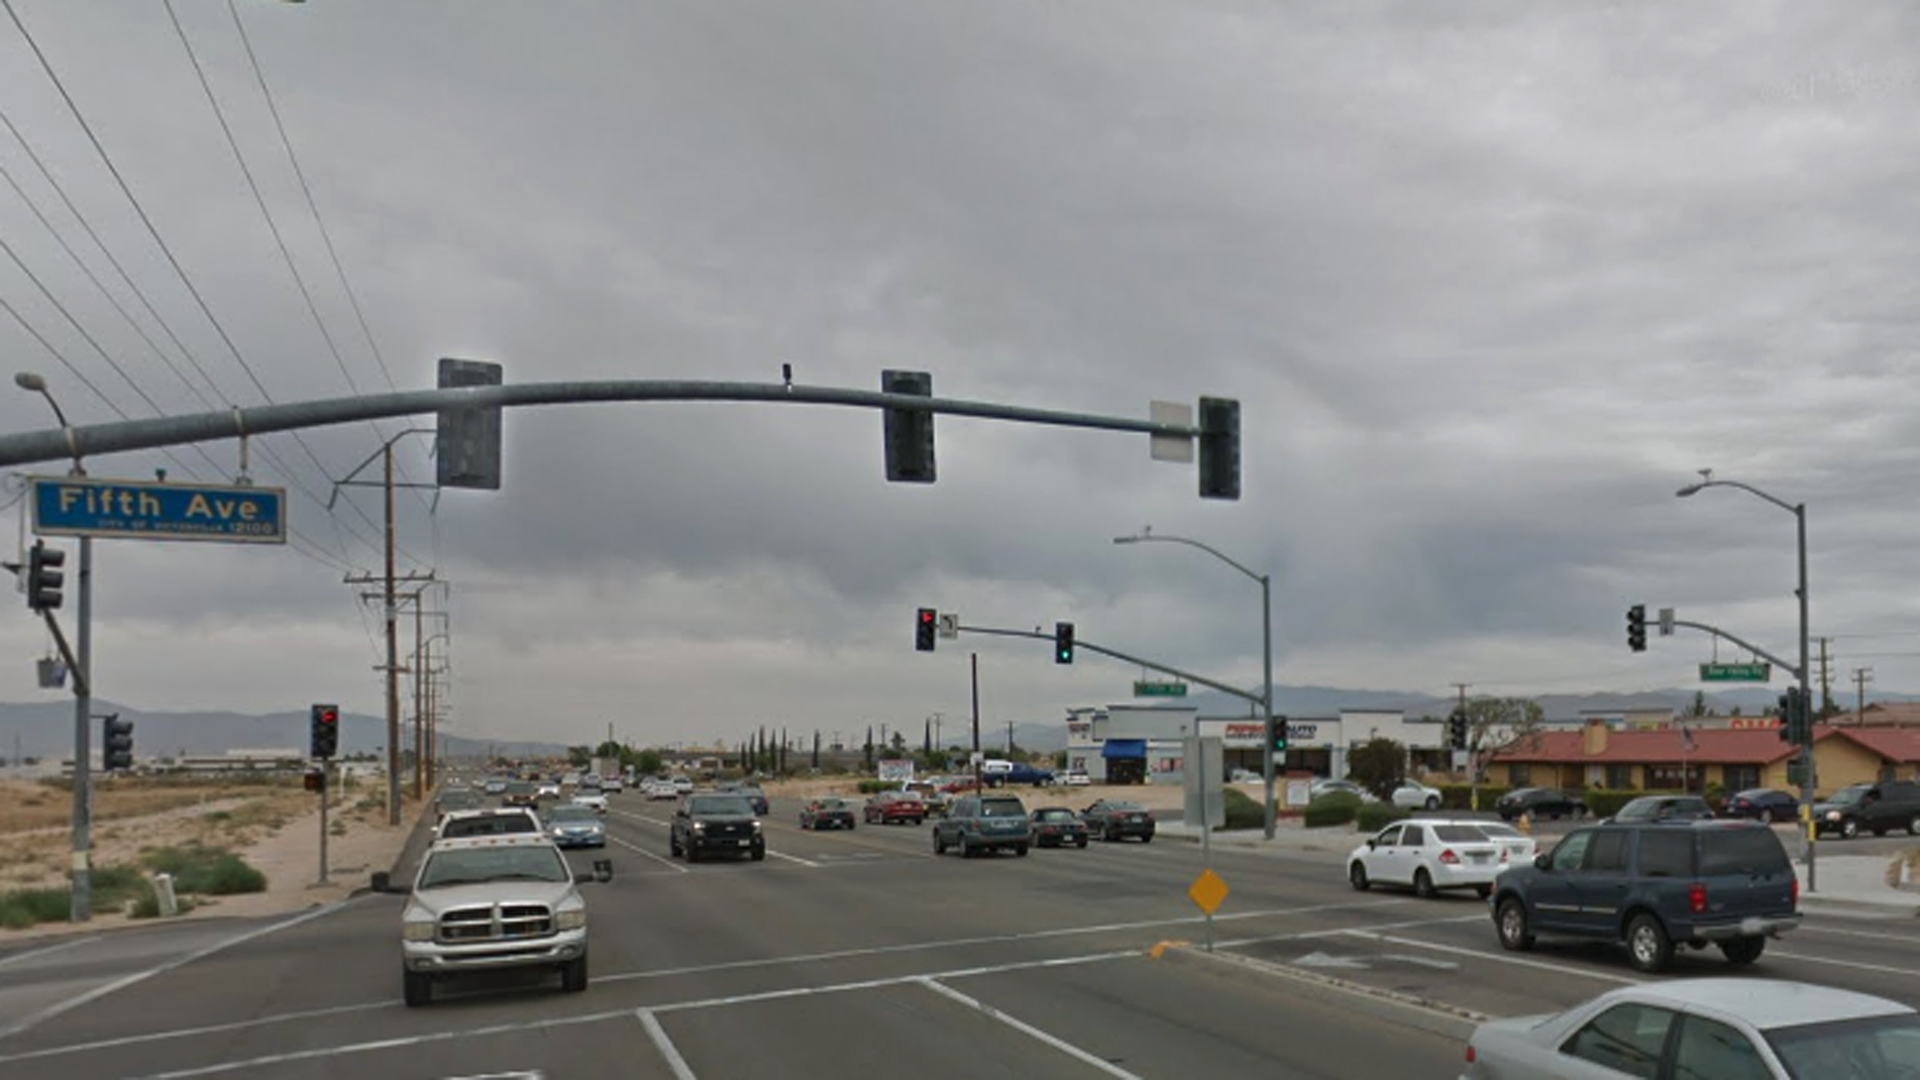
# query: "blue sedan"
x,y
576,826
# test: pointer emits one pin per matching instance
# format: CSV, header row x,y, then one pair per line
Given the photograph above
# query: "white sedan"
x,y
1076,779
1429,856
1762,1029
597,802
1417,796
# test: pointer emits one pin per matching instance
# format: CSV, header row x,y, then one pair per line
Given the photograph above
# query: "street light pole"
x,y
1266,652
1807,777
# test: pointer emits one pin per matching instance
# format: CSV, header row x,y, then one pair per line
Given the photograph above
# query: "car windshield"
x,y
1498,832
565,814
833,804
1002,808
1849,797
1873,1048
520,787
1054,814
1117,805
720,804
487,825
1459,834
1754,851
465,866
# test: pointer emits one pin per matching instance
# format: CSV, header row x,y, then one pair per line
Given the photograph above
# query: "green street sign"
x,y
1758,671
1143,688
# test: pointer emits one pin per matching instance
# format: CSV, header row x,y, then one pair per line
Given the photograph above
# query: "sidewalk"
x,y
1844,883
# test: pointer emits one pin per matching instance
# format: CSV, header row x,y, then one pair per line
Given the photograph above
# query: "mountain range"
x,y
44,729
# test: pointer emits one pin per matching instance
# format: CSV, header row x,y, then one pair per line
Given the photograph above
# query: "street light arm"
x,y
1216,553
1748,488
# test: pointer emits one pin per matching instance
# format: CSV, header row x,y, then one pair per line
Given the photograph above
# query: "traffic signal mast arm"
x,y
1754,649
1083,643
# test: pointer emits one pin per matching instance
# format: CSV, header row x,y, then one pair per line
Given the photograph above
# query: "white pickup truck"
x,y
487,902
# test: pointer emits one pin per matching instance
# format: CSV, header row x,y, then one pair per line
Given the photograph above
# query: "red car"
x,y
889,807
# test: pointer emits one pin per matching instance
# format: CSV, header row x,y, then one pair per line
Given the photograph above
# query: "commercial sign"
x,y
1248,734
896,771
146,510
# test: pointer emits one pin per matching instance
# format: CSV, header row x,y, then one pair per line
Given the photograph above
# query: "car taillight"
x,y
1796,892
1448,857
1470,1055
1697,898
1503,854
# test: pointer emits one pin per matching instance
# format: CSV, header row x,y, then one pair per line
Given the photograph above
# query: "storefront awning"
x,y
1124,748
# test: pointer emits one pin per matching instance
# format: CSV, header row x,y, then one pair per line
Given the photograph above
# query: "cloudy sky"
x,y
1490,280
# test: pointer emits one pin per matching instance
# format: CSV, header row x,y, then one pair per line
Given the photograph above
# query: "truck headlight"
x,y
699,826
756,824
574,918
418,927
1833,815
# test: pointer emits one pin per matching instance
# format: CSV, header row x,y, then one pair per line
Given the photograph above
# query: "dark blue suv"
x,y
1655,886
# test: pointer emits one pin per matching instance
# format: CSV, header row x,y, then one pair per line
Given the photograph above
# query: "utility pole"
x,y
81,907
1826,682
976,722
1009,740
1473,770
1861,677
937,738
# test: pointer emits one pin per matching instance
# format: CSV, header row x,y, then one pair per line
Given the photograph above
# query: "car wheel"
x,y
1743,950
1423,884
1511,923
1648,946
419,988
939,843
1765,816
1433,802
849,826
573,975
760,853
966,849
1849,829
1146,838
1357,877
693,853
1020,850
1110,836
1579,811
673,846
1483,891
1082,842
1913,825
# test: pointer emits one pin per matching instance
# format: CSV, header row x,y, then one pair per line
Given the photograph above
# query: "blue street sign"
x,y
144,510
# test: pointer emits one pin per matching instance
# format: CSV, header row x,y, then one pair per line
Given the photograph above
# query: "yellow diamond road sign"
x,y
1208,891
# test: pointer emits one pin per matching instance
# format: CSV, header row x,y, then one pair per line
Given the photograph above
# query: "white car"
x,y
1428,856
1076,778
587,798
1416,796
683,785
548,789
656,787
1520,847
1764,1029
612,783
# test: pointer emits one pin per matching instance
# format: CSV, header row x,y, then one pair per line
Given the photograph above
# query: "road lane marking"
x,y
16,957
1456,950
406,1041
676,1063
1306,935
1856,965
637,848
1906,939
524,1074
775,961
793,858
1025,1028
125,981
642,817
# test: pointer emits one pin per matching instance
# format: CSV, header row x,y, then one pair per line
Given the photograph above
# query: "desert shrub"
x,y
1373,817
1333,808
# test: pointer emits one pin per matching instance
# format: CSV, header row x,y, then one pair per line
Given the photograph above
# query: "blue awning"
x,y
1124,748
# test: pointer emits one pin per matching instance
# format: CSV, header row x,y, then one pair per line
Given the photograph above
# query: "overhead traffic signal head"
x,y
923,629
1637,628
1219,448
116,743
908,433
1063,643
44,578
1277,735
1457,729
324,721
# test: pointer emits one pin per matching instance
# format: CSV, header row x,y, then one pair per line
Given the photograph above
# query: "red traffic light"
x,y
926,615
329,716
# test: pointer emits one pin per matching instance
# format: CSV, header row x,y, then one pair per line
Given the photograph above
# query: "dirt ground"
x,y
275,828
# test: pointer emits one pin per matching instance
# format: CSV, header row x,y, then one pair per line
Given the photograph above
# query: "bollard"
x,y
163,893
1526,824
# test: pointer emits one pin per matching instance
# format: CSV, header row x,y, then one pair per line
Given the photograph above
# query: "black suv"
x,y
1879,807
716,822
1655,885
977,823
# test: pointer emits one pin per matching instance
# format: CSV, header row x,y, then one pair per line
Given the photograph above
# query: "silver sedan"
x,y
1728,1029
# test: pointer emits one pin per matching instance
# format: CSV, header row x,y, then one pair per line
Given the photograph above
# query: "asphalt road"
x,y
854,954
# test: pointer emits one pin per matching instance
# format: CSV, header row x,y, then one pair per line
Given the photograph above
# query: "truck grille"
x,y
724,830
497,922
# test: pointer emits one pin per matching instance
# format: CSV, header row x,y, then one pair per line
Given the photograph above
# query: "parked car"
x,y
1763,804
1017,772
1245,776
1538,802
708,823
1076,778
1057,826
1664,808
1416,795
576,826
981,823
889,807
1723,1028
1111,819
1428,856
827,813
1875,807
1325,786
1655,885
1519,847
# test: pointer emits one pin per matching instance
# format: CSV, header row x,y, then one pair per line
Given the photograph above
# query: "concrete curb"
x,y
1429,1016
1859,909
410,852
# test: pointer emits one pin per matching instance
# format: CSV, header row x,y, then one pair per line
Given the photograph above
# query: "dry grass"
x,y
26,805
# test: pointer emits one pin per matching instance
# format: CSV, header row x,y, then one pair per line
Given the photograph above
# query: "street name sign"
x,y
1758,671
146,510
1146,688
